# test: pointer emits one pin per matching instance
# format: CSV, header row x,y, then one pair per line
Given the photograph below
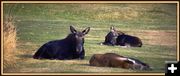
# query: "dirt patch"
x,y
154,37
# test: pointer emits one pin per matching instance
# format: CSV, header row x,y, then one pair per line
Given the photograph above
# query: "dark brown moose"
x,y
115,37
71,47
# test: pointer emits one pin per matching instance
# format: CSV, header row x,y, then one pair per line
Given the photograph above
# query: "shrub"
x,y
9,47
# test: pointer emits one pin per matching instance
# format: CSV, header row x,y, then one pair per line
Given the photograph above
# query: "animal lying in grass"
x,y
71,47
111,37
127,40
115,60
115,37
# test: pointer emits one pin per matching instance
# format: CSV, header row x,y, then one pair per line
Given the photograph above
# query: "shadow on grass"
x,y
25,56
84,64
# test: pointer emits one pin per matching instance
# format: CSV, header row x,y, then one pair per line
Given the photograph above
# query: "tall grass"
x,y
9,32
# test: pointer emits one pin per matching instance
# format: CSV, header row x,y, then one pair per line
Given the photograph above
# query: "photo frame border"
x,y
51,2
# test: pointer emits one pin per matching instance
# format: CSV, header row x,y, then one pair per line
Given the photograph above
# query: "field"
x,y
37,24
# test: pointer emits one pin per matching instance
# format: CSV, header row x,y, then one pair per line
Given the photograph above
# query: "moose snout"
x,y
79,48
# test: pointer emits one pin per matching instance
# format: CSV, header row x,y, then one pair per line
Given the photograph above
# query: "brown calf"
x,y
115,60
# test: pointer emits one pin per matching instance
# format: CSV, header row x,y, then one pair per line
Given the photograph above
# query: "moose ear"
x,y
86,30
73,30
112,28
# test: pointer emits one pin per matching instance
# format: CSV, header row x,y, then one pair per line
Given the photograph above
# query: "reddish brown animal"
x,y
115,60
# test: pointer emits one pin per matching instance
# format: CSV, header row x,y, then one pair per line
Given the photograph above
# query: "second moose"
x,y
115,37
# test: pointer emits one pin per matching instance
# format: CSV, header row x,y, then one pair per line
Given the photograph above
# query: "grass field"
x,y
37,24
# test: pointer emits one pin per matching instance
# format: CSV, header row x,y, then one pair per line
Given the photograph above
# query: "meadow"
x,y
39,23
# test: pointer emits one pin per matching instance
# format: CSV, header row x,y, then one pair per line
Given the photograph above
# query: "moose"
x,y
115,37
118,61
128,40
111,37
71,47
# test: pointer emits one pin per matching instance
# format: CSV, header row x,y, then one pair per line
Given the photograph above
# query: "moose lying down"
x,y
71,47
115,60
115,37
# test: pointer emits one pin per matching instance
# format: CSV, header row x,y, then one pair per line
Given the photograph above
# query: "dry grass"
x,y
9,32
129,14
156,37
